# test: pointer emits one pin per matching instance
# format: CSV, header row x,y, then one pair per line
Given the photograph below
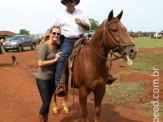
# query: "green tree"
x,y
24,31
94,24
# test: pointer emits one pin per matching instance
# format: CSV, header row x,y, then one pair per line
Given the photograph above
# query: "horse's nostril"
x,y
132,51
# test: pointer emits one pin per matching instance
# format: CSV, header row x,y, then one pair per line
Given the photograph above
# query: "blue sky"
x,y
38,15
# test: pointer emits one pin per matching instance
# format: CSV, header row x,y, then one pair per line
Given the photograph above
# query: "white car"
x,y
158,35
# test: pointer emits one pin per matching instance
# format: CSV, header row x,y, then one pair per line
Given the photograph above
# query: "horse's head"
x,y
116,37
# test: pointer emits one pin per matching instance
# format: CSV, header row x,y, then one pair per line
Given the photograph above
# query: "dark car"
x,y
18,42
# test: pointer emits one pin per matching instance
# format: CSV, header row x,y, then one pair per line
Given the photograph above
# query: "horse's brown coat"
x,y
91,71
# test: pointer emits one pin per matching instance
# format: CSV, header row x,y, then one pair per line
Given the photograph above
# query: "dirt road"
x,y
20,100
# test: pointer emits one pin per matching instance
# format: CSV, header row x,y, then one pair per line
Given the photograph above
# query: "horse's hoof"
x,y
55,112
66,112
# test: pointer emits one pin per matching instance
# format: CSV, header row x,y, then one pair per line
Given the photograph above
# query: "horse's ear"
x,y
120,15
110,15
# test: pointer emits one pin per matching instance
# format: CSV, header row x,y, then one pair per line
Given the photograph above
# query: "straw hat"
x,y
76,1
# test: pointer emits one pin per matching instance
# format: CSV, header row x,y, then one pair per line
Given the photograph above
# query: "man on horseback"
x,y
72,22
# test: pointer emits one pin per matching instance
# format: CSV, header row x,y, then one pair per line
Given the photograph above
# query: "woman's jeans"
x,y
46,89
66,48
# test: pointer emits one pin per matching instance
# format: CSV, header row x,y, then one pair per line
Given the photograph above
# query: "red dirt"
x,y
150,50
20,100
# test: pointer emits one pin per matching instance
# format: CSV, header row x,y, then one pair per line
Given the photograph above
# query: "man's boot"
x,y
110,79
60,90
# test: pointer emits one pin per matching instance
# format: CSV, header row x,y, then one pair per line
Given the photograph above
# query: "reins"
x,y
97,52
117,42
104,40
110,52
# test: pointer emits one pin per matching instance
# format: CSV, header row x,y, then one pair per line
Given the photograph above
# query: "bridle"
x,y
116,41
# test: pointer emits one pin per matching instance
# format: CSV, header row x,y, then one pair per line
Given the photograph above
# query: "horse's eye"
x,y
114,30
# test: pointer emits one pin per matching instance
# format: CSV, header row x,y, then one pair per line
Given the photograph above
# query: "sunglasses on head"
x,y
69,1
54,33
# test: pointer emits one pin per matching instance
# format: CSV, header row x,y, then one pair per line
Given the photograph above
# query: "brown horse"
x,y
90,70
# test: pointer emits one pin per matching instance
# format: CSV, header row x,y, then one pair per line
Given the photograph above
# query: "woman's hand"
x,y
49,62
57,56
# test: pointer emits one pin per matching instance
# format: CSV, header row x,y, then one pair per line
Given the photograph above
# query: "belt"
x,y
72,38
62,36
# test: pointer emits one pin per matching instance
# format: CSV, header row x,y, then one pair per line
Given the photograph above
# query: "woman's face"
x,y
55,34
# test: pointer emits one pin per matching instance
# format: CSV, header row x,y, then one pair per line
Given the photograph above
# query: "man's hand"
x,y
78,21
85,26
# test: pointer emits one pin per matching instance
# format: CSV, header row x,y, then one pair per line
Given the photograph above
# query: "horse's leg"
x,y
55,109
83,101
98,96
65,108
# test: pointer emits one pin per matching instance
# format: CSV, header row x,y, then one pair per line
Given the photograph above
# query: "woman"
x,y
47,59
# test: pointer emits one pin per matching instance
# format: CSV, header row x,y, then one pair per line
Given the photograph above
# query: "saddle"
x,y
67,71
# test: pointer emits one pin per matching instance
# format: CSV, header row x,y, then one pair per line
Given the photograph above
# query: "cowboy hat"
x,y
76,1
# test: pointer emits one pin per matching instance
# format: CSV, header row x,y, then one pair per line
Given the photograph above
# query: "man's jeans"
x,y
66,48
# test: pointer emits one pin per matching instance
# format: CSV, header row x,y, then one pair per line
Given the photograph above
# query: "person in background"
x,y
73,22
45,37
48,56
1,43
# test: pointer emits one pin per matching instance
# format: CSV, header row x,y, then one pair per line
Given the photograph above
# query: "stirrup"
x,y
60,91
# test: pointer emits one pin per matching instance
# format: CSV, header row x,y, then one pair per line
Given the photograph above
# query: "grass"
x,y
124,93
144,42
149,109
141,42
144,63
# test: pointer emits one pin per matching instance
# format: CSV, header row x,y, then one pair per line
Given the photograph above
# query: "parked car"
x,y
157,35
18,42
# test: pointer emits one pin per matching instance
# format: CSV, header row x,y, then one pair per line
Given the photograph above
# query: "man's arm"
x,y
84,26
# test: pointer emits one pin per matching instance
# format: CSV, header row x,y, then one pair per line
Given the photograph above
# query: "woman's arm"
x,y
42,63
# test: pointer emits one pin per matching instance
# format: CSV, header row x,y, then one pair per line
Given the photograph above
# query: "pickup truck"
x,y
18,42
